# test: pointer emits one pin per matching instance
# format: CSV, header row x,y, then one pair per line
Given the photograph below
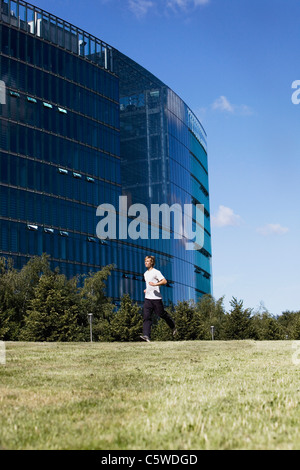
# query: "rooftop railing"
x,y
42,24
197,129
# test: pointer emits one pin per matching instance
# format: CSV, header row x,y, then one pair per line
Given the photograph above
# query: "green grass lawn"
x,y
157,396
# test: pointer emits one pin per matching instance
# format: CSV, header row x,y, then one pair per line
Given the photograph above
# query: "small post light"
x,y
90,315
212,329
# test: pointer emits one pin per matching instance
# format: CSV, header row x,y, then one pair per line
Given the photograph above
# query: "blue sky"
x,y
233,62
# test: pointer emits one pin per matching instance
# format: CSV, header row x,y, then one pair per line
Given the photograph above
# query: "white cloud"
x,y
225,217
184,4
272,229
223,104
140,7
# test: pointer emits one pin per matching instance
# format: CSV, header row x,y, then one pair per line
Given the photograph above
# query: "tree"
x,y
95,301
7,282
16,292
54,311
290,323
184,316
265,326
237,323
127,323
208,313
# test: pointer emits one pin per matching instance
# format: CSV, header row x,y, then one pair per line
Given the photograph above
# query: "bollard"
x,y
90,315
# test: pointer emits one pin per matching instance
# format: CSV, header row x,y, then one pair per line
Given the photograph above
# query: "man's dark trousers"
x,y
157,307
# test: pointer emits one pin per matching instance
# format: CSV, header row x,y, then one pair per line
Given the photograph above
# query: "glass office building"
x,y
164,161
81,125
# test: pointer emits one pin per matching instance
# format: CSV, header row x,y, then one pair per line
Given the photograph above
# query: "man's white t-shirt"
x,y
153,292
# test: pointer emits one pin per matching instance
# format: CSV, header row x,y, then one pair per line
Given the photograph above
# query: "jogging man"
x,y
153,299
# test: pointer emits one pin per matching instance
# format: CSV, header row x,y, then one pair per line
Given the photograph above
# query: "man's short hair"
x,y
152,259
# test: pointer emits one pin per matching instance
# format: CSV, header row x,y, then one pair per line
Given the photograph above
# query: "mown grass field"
x,y
157,396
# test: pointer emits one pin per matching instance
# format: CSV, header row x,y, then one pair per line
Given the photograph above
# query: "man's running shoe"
x,y
145,338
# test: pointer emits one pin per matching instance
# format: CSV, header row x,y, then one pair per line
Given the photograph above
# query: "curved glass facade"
x,y
164,161
81,125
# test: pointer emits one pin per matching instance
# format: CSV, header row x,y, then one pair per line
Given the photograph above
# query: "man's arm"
x,y
160,283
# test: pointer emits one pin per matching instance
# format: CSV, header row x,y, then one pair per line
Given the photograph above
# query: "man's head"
x,y
149,261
